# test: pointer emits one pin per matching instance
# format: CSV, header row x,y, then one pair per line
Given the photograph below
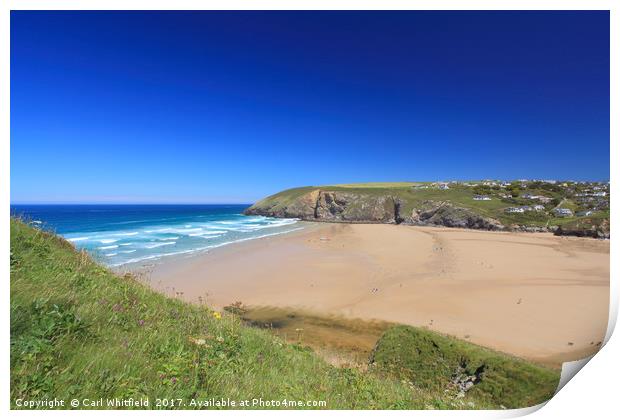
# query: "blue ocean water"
x,y
124,234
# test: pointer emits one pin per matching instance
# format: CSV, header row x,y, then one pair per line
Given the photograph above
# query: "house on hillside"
x,y
540,198
584,213
523,209
482,198
562,212
444,186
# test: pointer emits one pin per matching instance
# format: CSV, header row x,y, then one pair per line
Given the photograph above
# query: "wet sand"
x,y
537,296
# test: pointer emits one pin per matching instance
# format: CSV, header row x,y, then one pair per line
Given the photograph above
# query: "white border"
x,y
592,393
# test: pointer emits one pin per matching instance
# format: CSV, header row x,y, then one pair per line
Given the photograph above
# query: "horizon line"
x,y
124,204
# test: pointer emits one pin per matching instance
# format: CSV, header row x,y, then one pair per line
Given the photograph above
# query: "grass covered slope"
x,y
80,331
437,361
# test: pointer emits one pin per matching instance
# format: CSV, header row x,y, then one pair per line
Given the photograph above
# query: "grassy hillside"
x,y
503,380
79,331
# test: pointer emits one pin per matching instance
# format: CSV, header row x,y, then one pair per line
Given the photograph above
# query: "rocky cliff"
x,y
331,206
355,207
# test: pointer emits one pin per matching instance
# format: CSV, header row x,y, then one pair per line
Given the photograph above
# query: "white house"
x,y
515,210
563,212
482,198
538,207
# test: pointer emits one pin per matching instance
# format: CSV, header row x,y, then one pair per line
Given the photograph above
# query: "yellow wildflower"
x,y
217,315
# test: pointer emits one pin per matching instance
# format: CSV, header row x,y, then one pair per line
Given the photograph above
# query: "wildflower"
x,y
198,341
217,315
141,322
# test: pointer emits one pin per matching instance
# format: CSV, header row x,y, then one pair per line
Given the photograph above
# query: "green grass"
x,y
505,381
378,185
284,198
80,331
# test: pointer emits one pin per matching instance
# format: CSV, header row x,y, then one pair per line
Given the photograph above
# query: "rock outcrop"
x,y
351,207
585,228
333,206
532,229
446,214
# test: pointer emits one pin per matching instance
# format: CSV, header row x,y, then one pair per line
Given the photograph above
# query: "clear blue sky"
x,y
228,107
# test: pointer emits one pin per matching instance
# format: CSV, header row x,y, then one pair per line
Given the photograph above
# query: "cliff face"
x,y
353,207
330,206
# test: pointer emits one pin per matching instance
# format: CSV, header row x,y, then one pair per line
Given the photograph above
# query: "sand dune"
x,y
537,296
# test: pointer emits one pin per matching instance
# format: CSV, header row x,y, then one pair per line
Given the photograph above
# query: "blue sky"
x,y
227,107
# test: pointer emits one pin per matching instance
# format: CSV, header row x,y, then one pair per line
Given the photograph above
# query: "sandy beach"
x,y
537,296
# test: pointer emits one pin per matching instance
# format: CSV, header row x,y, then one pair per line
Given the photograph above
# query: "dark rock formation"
x,y
446,214
532,229
351,207
584,229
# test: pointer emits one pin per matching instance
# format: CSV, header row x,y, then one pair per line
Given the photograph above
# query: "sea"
x,y
118,235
